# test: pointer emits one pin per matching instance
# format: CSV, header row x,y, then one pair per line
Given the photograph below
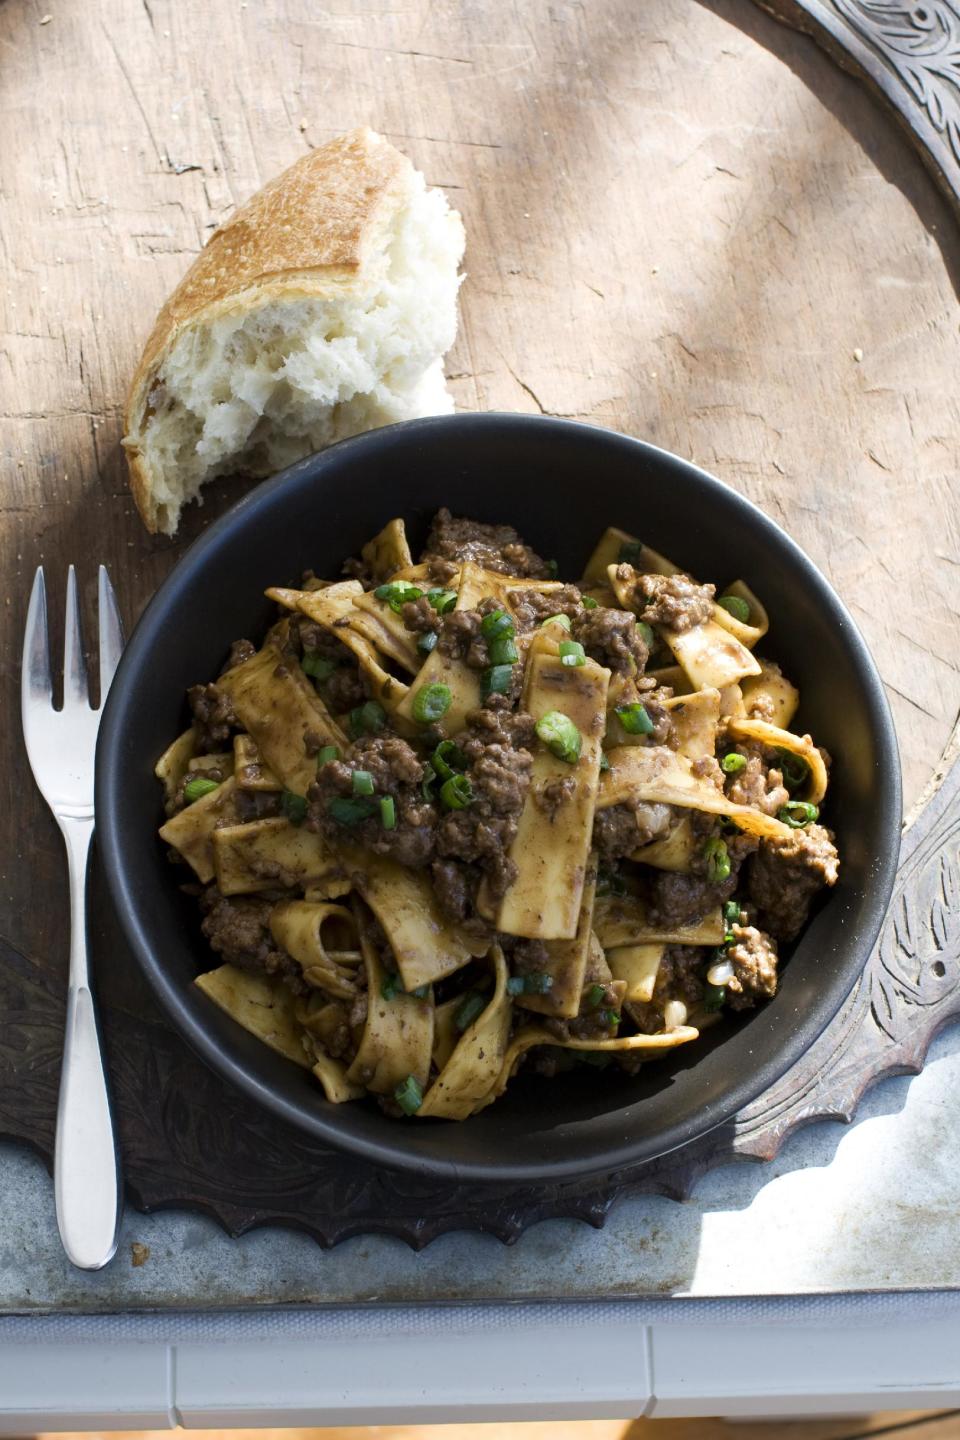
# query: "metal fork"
x,y
61,746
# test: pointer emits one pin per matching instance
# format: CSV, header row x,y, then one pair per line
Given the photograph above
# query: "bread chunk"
x,y
321,308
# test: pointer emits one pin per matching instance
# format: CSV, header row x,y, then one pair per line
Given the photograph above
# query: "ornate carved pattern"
x,y
909,53
189,1140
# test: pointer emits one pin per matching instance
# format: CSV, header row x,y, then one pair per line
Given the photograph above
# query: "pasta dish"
x,y
455,818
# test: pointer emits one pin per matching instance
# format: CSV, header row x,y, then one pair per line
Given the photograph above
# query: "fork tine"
x,y
74,666
111,631
35,682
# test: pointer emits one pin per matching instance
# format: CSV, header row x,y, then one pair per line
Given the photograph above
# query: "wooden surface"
x,y
682,222
901,1424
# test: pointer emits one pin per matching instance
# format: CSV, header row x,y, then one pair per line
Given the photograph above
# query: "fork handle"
x,y
86,1169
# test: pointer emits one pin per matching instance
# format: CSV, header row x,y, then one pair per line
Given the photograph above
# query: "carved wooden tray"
x,y
190,1140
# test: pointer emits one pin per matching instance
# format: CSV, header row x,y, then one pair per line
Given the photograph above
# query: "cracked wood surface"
x,y
683,222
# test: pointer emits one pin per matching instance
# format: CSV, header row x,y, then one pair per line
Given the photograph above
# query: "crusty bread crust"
x,y
310,232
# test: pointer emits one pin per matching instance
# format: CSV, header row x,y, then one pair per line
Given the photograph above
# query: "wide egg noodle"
x,y
651,1045
551,850
624,920
270,854
472,1069
800,745
397,1037
191,830
278,706
772,693
322,938
262,1004
172,765
564,962
657,775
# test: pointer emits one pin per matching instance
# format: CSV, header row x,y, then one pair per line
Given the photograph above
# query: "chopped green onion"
x,y
409,1096
388,812
390,986
718,860
367,719
442,601
199,786
793,768
630,552
318,667
731,912
496,681
448,758
431,702
421,992
362,782
609,1018
429,775
646,633
589,603
736,607
534,983
596,995
604,762
503,651
553,569
733,763
427,642
397,593
563,620
572,653
468,1010
635,719
714,997
456,793
560,735
326,754
347,811
294,807
797,813
498,622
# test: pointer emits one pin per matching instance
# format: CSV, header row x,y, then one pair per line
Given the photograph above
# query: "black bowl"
x,y
560,484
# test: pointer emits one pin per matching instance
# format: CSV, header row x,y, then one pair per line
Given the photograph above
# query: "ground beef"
x,y
419,616
676,899
611,637
753,956
460,638
455,886
674,601
531,607
495,547
784,875
708,768
663,728
238,929
344,690
213,718
240,651
256,804
355,568
396,771
619,830
499,765
552,795
758,785
679,977
440,572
